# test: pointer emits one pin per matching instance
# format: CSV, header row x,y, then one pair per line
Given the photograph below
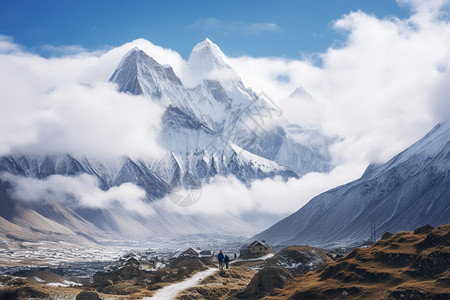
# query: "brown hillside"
x,y
407,265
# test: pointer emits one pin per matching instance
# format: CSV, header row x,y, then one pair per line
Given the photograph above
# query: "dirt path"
x,y
171,291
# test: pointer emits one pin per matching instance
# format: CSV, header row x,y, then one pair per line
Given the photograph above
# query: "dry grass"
x,y
224,284
407,265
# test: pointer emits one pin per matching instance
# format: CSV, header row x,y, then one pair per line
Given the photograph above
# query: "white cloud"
x,y
381,91
82,190
47,107
235,27
64,50
7,45
384,89
227,195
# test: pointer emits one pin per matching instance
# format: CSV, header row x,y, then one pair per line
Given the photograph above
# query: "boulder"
x,y
128,271
103,279
86,295
265,281
191,263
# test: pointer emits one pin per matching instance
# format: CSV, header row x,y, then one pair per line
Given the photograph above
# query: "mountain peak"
x,y
300,92
208,55
133,56
134,49
206,41
138,73
408,191
206,61
207,46
132,52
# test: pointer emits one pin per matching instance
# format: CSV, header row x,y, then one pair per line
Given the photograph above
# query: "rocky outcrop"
x,y
265,281
103,279
300,259
190,263
127,272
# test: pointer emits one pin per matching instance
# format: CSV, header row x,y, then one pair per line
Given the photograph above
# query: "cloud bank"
x,y
380,91
228,195
82,190
64,104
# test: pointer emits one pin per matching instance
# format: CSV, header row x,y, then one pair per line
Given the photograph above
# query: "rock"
x,y
103,279
87,296
387,235
266,280
191,263
9,293
127,272
182,273
300,259
424,229
224,274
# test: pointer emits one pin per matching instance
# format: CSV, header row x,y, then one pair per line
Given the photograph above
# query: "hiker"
x,y
227,261
235,256
220,259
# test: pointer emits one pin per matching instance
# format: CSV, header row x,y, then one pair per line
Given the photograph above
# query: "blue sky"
x,y
255,28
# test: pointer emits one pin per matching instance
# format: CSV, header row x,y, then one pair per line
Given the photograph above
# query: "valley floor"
x,y
407,265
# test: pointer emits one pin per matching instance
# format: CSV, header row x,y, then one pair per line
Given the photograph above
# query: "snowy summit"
x,y
207,61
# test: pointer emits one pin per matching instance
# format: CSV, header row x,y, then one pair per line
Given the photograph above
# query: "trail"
x,y
171,291
265,257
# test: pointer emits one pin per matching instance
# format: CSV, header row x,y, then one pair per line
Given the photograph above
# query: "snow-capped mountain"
x,y
212,125
207,62
300,92
220,113
410,190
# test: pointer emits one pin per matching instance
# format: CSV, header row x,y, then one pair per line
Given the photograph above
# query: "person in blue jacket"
x,y
220,259
226,260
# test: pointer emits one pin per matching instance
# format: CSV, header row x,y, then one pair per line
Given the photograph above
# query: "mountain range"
x,y
410,190
212,125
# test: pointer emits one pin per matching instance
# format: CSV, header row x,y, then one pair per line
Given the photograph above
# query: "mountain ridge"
x,y
410,190
206,131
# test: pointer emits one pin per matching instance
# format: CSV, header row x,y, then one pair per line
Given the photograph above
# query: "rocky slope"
x,y
410,190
